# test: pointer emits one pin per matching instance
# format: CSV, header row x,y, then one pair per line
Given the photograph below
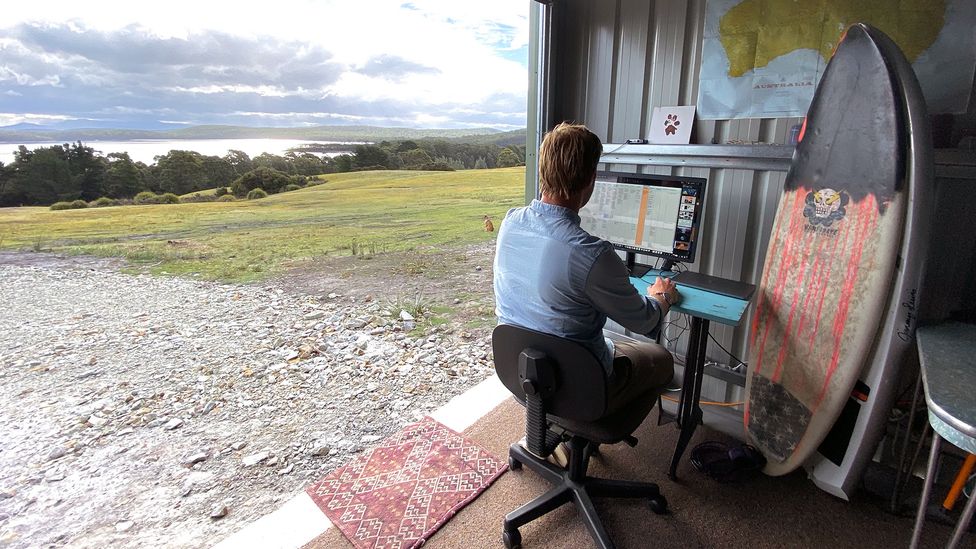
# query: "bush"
x,y
62,206
145,197
221,191
78,204
268,179
197,197
103,201
226,198
168,198
255,194
437,167
291,187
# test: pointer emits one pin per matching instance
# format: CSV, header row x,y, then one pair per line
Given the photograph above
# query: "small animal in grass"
x,y
489,226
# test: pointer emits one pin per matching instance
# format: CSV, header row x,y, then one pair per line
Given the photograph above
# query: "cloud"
x,y
308,62
394,67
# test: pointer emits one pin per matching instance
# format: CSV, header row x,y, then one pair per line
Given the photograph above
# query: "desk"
x,y
703,306
947,354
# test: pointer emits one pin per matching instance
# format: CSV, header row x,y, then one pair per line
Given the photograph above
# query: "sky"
x,y
421,63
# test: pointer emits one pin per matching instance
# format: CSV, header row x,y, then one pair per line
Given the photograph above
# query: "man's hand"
x,y
665,292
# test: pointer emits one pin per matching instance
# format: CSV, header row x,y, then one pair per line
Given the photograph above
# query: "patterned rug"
x,y
398,493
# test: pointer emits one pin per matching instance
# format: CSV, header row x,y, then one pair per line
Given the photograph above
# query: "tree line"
x,y
76,171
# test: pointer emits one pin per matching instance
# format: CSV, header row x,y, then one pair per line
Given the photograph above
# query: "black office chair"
x,y
563,387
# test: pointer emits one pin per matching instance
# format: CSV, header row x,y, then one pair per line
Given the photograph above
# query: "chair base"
x,y
572,484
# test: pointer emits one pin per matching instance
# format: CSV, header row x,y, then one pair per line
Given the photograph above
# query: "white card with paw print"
x,y
672,125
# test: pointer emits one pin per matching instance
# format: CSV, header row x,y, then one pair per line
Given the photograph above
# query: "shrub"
x,y
103,201
226,198
62,206
168,198
78,204
267,179
255,194
291,187
197,197
221,191
145,197
437,167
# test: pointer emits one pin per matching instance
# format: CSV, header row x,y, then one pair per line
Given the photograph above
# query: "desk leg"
x,y
689,411
926,490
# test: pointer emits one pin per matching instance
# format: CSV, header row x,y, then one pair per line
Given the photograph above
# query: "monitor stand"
x,y
638,270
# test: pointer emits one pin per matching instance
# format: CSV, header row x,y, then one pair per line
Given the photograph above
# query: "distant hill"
x,y
502,139
29,133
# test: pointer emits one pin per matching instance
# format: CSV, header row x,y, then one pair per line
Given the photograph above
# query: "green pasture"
x,y
350,213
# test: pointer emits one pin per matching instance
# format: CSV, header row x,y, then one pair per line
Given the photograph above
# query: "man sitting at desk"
x,y
552,276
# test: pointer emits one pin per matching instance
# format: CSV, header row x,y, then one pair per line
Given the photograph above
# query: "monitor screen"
x,y
657,215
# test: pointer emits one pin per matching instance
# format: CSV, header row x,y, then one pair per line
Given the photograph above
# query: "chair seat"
x,y
615,427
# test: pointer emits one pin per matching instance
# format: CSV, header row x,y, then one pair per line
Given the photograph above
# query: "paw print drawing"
x,y
671,124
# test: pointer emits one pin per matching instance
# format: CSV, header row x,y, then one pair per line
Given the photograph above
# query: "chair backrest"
x,y
576,389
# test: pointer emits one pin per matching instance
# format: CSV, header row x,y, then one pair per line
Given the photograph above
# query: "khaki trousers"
x,y
638,367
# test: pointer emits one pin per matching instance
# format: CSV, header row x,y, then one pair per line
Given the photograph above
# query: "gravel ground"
x,y
140,411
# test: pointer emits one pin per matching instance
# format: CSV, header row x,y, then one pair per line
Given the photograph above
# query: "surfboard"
x,y
832,257
838,472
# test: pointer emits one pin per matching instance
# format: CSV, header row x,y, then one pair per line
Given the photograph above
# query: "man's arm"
x,y
609,289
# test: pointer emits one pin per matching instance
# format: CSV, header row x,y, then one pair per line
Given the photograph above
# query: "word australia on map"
x,y
764,58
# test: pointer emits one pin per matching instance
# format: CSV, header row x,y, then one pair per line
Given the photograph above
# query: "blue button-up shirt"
x,y
552,276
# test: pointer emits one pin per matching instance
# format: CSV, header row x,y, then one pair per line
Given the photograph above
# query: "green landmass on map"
x,y
755,32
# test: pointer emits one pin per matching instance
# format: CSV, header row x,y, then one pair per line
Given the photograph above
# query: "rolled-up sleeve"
x,y
609,289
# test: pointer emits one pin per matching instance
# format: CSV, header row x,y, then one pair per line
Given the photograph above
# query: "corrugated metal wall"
x,y
612,63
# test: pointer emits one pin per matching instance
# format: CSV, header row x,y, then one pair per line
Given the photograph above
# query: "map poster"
x,y
764,58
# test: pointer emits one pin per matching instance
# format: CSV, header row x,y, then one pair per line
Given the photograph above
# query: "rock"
x,y
254,459
97,421
354,323
405,316
173,424
288,469
367,439
57,453
6,494
238,445
124,526
195,458
54,476
314,315
219,511
321,450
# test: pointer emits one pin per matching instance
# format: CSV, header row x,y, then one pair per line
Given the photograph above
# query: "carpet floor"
x,y
786,511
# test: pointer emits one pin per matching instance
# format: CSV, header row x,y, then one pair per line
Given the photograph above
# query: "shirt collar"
x,y
554,211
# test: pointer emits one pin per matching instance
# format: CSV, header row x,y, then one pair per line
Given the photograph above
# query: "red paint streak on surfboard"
x,y
789,256
760,310
866,221
824,288
815,287
798,275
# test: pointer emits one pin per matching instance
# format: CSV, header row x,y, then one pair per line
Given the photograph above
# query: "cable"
x,y
709,402
622,145
740,363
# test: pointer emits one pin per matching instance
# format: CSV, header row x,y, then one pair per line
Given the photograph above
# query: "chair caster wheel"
x,y
512,539
659,504
514,464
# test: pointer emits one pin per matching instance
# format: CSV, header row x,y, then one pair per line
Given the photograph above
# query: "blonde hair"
x,y
567,159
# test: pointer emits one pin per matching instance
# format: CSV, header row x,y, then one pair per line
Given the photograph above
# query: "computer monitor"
x,y
656,215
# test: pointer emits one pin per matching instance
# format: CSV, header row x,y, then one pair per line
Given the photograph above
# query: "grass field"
x,y
351,213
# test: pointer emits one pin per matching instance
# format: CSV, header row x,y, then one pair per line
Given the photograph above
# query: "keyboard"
x,y
723,286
